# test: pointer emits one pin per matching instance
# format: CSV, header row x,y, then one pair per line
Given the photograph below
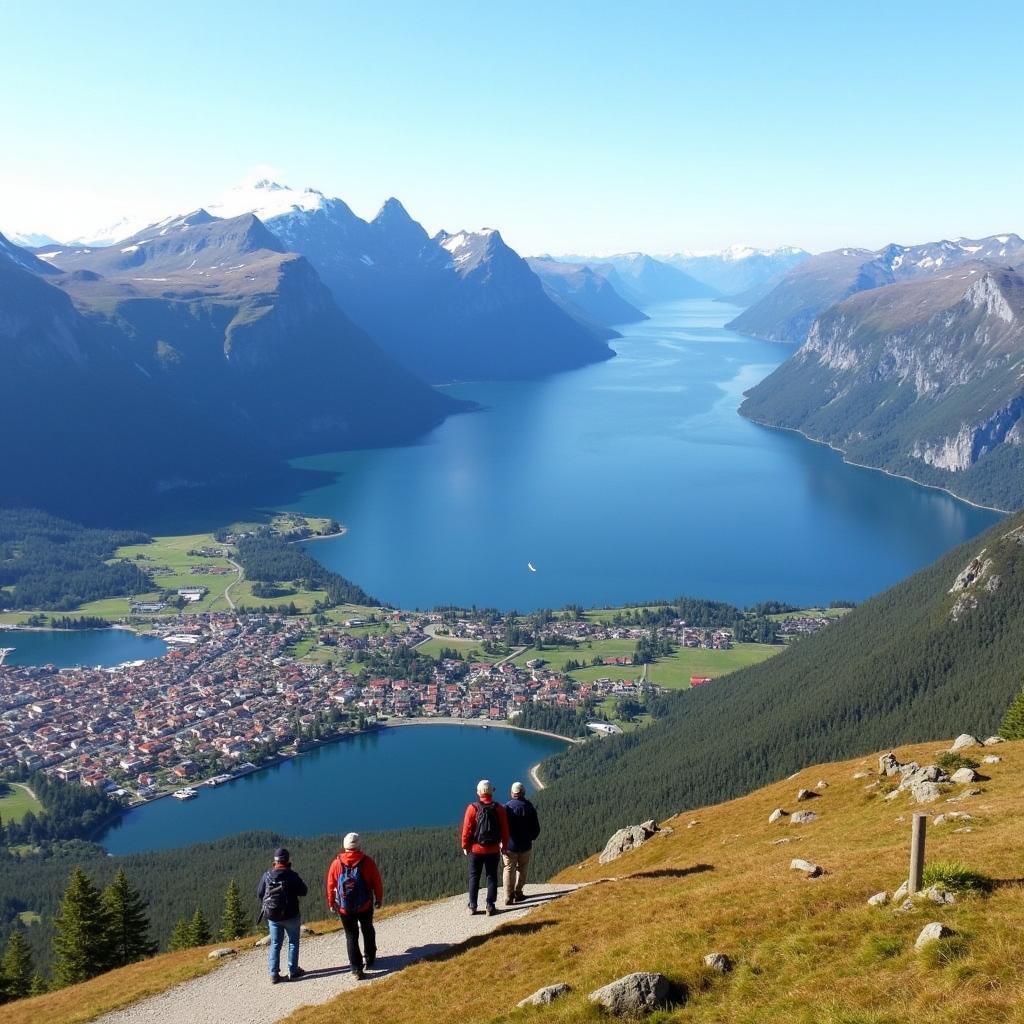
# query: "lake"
x,y
421,775
629,480
89,647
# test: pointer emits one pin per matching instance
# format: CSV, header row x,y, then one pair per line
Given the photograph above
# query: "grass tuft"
x,y
954,875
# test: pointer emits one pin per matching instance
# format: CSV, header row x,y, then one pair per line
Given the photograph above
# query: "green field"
x,y
675,672
556,657
17,803
434,647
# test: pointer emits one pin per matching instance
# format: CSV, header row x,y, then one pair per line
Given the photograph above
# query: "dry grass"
x,y
128,985
806,951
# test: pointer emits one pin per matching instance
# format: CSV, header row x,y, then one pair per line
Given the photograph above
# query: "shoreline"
x,y
321,536
877,469
478,723
535,778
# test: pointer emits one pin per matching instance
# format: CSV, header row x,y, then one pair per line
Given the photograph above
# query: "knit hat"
x,y
351,841
282,856
518,787
484,787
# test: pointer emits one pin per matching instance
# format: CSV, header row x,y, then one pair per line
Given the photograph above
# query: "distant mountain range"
x,y
740,273
461,306
920,371
584,292
809,288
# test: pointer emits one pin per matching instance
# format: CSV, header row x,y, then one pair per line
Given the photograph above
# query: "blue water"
x,y
404,777
89,647
628,480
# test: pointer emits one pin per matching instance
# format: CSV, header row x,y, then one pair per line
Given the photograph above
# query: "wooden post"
x,y
917,852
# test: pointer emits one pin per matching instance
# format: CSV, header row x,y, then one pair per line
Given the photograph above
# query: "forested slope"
x,y
901,668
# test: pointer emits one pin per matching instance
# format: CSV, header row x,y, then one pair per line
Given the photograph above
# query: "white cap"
x,y
518,787
351,841
484,787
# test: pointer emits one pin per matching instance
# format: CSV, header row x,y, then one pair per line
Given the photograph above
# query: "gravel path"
x,y
240,992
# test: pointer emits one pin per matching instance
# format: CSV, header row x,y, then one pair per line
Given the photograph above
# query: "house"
x,y
700,680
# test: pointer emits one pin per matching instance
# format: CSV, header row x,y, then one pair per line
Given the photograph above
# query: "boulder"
x,y
888,764
718,962
991,759
634,995
626,839
879,899
925,792
901,893
964,742
993,740
809,869
546,995
802,818
805,794
935,893
218,954
964,776
821,784
776,815
931,933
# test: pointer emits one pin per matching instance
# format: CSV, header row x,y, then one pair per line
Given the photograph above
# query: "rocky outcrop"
x,y
635,995
932,933
803,818
627,839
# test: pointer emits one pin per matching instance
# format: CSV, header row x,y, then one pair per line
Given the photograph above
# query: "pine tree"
x,y
235,921
201,933
16,969
80,939
1013,721
128,923
38,986
182,935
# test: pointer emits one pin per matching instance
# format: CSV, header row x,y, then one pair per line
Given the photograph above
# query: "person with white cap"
x,y
354,889
484,836
523,829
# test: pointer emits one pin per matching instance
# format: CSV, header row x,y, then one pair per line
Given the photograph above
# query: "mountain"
x,y
30,239
453,307
924,378
739,271
787,312
197,350
583,292
641,279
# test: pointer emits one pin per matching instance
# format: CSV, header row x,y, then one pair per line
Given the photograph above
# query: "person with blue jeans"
x,y
279,892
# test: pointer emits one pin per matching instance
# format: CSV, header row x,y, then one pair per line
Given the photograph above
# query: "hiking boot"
x,y
275,978
473,911
370,961
491,911
299,972
360,975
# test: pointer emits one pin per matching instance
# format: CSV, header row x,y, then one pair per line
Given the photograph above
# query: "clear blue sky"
x,y
592,126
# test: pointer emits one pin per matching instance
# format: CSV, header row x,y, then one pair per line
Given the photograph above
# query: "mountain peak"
x,y
392,211
266,199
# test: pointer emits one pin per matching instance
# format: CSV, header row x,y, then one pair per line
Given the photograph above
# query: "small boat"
x,y
531,567
185,794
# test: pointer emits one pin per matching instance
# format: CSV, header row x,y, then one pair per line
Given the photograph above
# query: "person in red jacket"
x,y
354,889
484,836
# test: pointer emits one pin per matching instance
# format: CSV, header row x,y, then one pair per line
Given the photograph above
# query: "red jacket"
x,y
371,876
469,829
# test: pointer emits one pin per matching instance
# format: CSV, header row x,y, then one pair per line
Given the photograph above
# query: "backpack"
x,y
488,824
352,892
275,899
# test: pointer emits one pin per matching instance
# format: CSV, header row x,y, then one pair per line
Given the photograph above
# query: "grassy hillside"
x,y
897,669
804,951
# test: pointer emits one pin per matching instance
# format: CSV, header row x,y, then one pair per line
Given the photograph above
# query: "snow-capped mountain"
x,y
455,307
739,268
808,289
30,239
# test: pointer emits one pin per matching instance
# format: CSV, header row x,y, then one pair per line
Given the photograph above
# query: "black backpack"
x,y
275,899
488,824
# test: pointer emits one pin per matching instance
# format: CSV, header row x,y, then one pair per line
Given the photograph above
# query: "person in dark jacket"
x,y
484,836
523,829
357,917
279,892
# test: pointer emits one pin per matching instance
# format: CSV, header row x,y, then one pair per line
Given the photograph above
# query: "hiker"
x,y
354,889
279,892
523,829
484,836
